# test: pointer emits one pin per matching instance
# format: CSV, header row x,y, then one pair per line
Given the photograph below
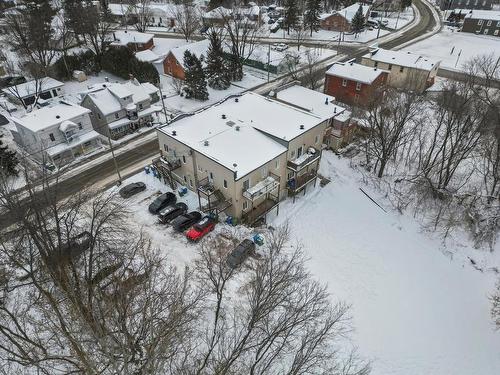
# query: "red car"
x,y
200,229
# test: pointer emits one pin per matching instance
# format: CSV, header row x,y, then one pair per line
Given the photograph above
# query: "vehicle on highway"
x,y
132,189
183,222
169,213
280,46
240,253
200,229
161,202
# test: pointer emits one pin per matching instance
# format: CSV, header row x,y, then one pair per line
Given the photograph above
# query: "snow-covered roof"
x,y
167,9
105,101
119,9
29,88
198,48
349,12
49,116
402,58
124,37
147,56
493,15
355,72
218,13
77,140
232,142
314,101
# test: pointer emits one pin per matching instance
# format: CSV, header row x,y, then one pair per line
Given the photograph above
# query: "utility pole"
x,y
163,102
268,59
119,182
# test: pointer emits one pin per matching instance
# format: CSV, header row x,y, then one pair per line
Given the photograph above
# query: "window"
x,y
390,67
479,22
211,175
245,205
358,86
401,69
276,164
344,82
184,159
246,184
99,116
190,182
225,184
140,106
498,23
116,115
290,175
485,31
299,151
263,171
200,169
495,33
80,126
316,139
356,97
292,154
375,64
185,179
165,147
489,23
52,138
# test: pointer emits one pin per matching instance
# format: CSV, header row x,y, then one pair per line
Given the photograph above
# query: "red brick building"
x,y
173,64
354,84
341,20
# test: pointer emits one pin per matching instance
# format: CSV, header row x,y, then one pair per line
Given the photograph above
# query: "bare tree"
x,y
187,18
141,11
33,88
495,306
390,117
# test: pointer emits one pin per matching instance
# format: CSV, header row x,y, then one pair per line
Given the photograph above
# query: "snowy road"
x,y
415,310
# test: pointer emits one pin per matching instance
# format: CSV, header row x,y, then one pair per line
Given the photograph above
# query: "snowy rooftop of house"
x,y
119,9
493,15
29,88
198,48
349,12
166,9
147,56
355,72
218,13
313,101
402,58
49,116
124,37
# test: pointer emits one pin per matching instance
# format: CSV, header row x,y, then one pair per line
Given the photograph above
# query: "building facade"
x,y
465,4
484,22
32,92
173,64
341,20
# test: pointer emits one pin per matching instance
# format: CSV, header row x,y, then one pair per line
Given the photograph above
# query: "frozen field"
x,y
456,48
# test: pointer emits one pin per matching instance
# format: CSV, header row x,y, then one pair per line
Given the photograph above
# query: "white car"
x,y
280,47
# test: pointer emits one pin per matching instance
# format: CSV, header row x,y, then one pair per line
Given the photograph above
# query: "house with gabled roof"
x,y
173,64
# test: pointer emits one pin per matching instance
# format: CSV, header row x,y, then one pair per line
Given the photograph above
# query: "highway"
x,y
103,175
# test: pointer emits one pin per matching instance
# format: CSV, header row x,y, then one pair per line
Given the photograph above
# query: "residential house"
x,y
216,16
406,70
121,108
133,40
465,4
354,84
341,20
32,91
173,64
57,134
249,153
339,129
484,22
123,13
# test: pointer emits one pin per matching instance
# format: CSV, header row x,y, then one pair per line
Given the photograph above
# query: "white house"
x,y
32,91
57,134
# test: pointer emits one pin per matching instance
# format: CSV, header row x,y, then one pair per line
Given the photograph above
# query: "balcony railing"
x,y
267,185
297,183
304,160
206,186
168,163
255,213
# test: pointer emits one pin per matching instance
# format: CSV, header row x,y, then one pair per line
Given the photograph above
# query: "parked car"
x,y
383,22
200,229
371,23
183,222
132,189
169,213
280,46
161,202
275,27
240,253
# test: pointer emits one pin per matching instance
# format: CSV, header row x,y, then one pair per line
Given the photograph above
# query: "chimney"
x,y
301,127
326,101
206,143
335,110
237,127
223,116
174,133
236,99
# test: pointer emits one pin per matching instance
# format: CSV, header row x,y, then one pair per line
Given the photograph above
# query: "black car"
x,y
161,202
240,253
183,222
171,212
132,189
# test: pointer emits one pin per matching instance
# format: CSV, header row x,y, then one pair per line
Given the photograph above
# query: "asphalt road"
x,y
105,170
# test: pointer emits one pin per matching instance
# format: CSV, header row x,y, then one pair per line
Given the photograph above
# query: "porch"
x,y
266,192
165,165
216,202
309,157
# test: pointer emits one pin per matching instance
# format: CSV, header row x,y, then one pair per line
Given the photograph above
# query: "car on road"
x,y
280,47
161,202
169,213
240,253
183,222
132,189
200,229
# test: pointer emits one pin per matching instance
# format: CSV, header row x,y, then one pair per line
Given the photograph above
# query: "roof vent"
x,y
236,99
230,123
235,165
326,101
206,143
237,128
58,117
174,133
335,110
223,116
301,127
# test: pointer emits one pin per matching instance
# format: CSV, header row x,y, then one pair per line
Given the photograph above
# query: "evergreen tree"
x,y
216,70
311,17
358,21
291,14
195,82
8,160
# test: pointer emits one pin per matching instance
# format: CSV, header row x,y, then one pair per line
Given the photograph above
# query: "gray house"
x,y
465,4
485,22
121,108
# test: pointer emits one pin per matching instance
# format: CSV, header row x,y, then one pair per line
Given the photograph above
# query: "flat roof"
x,y
478,14
314,101
48,116
355,72
402,58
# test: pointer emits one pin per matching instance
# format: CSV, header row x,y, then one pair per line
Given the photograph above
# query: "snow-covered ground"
x,y
418,308
455,48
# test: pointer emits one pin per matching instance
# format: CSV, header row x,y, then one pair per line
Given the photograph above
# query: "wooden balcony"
x,y
267,185
167,163
296,184
256,213
304,160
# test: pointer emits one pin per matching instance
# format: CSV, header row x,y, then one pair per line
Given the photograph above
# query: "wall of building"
x,y
173,67
480,26
465,4
335,22
349,93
